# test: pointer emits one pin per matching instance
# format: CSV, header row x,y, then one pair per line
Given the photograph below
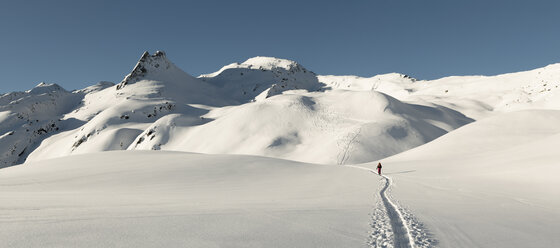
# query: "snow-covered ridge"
x,y
41,88
261,78
26,118
270,63
45,88
264,106
262,63
395,84
96,87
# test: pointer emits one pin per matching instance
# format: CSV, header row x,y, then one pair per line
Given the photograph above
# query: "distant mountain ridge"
x,y
264,106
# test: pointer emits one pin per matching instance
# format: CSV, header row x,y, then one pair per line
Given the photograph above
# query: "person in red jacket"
x,y
379,168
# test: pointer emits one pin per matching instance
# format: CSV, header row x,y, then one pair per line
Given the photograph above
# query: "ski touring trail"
x,y
401,233
402,237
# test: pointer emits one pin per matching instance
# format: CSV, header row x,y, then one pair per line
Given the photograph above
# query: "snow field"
x,y
150,199
474,191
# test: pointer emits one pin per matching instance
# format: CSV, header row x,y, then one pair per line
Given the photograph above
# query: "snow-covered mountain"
x,y
27,118
263,106
469,161
474,96
262,77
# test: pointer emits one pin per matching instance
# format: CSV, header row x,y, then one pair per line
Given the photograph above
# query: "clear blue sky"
x,y
78,43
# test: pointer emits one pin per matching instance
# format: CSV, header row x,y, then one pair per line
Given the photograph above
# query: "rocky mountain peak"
x,y
146,64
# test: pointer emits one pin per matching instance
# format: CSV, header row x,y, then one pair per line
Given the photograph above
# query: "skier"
x,y
379,168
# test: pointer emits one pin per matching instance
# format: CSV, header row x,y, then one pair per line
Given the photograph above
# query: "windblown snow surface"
x,y
265,153
173,199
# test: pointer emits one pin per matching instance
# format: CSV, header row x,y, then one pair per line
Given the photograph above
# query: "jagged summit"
x,y
156,77
147,64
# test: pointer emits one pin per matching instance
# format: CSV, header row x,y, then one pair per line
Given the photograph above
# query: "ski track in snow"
x,y
401,233
390,225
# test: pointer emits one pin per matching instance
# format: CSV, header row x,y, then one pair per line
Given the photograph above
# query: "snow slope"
x,y
263,106
336,127
394,84
171,199
534,89
262,77
112,118
492,183
27,118
475,96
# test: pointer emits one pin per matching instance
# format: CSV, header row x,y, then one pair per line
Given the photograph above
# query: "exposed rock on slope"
x,y
26,118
